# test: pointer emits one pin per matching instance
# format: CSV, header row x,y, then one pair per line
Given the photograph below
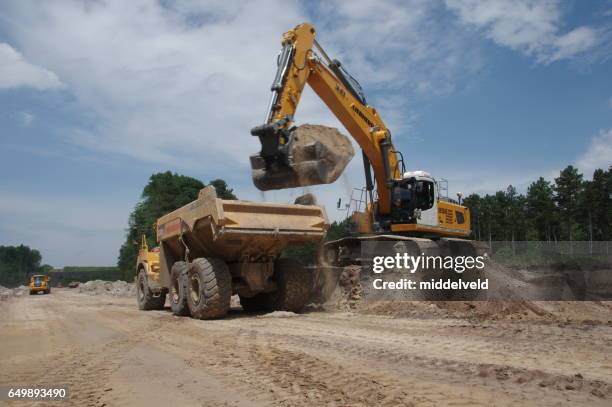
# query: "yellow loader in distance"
x,y
40,283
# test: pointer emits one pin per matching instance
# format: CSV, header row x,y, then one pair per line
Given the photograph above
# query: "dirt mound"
x,y
279,314
512,295
6,293
472,310
117,288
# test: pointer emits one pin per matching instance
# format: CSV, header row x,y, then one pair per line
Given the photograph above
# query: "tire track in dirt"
x,y
114,355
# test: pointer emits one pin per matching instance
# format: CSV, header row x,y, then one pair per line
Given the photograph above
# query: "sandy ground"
x,y
111,354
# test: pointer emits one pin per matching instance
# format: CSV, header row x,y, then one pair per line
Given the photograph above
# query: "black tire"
x,y
178,289
209,286
146,299
294,286
258,303
32,293
48,291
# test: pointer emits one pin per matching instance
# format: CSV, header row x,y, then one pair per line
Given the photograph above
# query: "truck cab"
x,y
40,283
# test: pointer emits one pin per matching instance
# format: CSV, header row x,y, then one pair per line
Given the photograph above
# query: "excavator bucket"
x,y
312,155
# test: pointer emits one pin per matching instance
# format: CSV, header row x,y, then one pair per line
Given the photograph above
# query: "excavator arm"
x,y
302,61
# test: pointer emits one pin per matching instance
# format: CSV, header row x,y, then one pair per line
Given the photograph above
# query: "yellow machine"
x,y
39,283
148,260
398,204
213,248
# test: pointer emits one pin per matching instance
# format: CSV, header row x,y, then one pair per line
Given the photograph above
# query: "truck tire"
x,y
258,303
209,285
178,289
146,299
294,286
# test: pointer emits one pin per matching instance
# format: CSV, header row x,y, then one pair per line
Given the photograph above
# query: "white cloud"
x,y
16,72
179,86
574,42
530,26
597,155
182,83
408,45
25,118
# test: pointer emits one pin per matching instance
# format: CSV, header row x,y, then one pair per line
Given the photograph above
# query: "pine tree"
x,y
568,189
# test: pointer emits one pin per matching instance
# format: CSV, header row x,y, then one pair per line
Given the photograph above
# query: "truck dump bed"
x,y
213,248
236,230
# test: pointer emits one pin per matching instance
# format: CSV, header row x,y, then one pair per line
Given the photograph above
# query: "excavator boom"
x,y
290,159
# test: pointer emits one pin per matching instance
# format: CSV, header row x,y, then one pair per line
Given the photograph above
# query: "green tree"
x,y
596,206
223,191
474,204
338,230
163,193
541,209
17,264
568,189
45,269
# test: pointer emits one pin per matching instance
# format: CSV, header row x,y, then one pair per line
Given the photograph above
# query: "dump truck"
x,y
40,284
212,248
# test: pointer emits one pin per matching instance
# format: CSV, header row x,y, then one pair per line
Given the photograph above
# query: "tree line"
x,y
165,192
569,208
18,263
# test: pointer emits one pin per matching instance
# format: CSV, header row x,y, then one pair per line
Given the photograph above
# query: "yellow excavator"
x,y
399,205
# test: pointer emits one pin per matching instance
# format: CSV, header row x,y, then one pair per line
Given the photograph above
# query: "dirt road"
x,y
111,354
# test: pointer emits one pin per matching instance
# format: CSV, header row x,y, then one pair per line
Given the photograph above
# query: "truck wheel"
x,y
294,286
178,289
258,303
146,299
209,285
32,292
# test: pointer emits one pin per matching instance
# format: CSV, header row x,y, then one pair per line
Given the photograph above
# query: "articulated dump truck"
x,y
212,248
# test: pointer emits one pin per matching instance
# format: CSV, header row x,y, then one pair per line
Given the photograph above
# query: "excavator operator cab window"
x,y
409,195
424,195
403,195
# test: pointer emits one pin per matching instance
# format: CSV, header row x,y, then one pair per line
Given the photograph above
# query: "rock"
x,y
319,154
279,314
117,288
306,199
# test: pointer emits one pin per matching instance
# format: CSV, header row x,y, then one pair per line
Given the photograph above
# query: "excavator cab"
x,y
410,197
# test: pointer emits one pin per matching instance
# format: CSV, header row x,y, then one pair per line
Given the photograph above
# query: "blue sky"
x,y
96,96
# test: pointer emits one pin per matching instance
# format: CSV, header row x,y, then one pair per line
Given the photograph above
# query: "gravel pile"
x,y
279,314
6,293
115,288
